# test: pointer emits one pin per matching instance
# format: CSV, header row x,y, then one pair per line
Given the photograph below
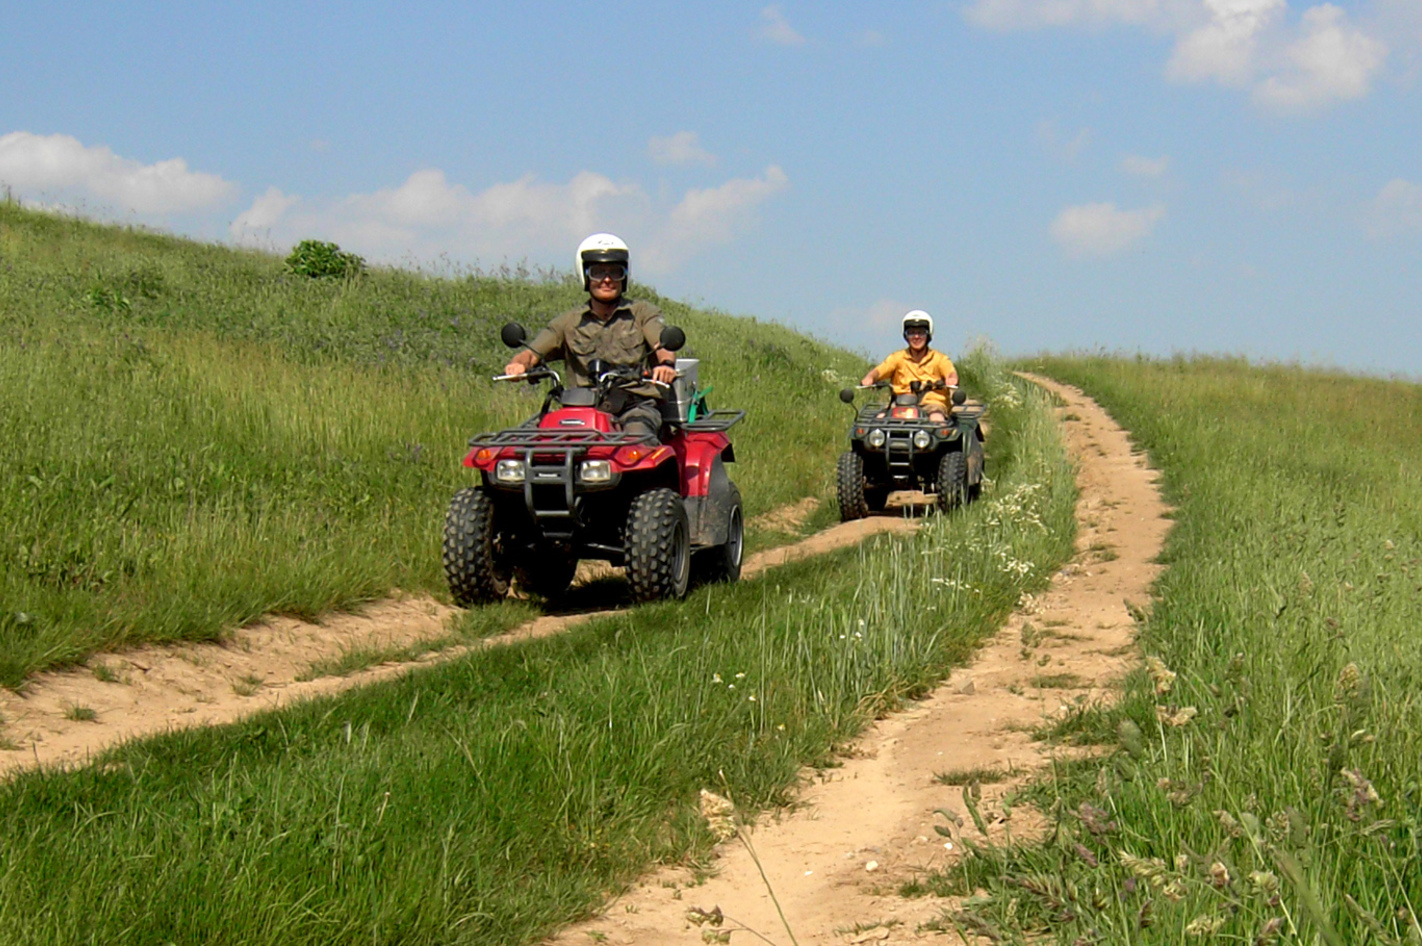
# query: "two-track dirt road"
x,y
836,861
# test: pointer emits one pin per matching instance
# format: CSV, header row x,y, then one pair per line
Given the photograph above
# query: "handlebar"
x,y
627,375
532,374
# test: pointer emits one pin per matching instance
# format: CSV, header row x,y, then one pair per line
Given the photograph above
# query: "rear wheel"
x,y
658,541
547,573
849,482
723,562
475,562
952,481
975,489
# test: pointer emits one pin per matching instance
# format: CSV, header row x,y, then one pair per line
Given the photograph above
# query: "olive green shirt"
x,y
627,337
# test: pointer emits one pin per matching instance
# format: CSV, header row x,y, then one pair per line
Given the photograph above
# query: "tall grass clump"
x,y
1263,776
494,798
198,436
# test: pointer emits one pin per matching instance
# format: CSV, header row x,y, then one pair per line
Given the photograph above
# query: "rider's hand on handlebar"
x,y
515,368
666,374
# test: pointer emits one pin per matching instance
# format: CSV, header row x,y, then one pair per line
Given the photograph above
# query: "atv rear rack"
x,y
714,422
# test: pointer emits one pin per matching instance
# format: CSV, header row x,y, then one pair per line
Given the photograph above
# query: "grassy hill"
x,y
197,437
1262,778
230,440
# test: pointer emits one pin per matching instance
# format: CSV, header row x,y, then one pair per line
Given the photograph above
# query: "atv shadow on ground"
x,y
604,592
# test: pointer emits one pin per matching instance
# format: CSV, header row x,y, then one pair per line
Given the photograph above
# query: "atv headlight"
x,y
595,471
875,439
921,439
509,471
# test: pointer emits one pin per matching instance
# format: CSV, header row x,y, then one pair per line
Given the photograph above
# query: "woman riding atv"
x,y
918,368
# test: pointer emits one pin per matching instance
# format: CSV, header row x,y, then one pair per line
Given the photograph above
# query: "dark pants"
x,y
640,416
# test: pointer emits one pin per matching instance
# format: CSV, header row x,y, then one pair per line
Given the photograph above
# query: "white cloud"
x,y
776,29
713,216
681,148
1138,166
1037,14
1287,64
1060,146
1397,210
1332,61
875,326
254,225
886,314
1103,229
429,218
62,165
1226,47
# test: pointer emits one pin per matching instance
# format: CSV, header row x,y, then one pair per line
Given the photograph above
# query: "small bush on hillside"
x,y
318,260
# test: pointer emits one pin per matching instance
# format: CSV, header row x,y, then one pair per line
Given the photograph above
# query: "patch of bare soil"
x,y
787,519
63,718
859,831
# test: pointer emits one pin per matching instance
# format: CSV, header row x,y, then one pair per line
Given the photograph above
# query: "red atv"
x,y
568,485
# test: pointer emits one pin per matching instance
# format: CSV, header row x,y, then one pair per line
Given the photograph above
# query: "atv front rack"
x,y
558,439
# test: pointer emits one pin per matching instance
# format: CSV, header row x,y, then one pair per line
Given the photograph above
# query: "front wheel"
x,y
849,483
658,541
952,481
723,562
475,562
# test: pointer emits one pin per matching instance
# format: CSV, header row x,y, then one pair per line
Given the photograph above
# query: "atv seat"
x,y
578,397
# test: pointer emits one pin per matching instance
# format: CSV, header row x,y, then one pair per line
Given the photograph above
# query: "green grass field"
x,y
1289,808
198,438
496,797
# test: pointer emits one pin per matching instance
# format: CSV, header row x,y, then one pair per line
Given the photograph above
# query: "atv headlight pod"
x,y
876,438
595,471
508,471
921,439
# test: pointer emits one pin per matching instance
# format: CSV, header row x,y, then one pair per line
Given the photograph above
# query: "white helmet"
x,y
918,318
601,248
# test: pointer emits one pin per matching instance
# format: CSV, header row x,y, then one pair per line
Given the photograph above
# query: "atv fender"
x,y
709,514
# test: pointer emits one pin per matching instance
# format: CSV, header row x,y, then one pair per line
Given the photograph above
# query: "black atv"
x,y
895,446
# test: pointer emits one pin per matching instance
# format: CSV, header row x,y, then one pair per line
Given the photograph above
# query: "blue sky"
x,y
1232,176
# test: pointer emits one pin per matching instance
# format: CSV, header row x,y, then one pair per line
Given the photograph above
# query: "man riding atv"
x,y
921,364
610,328
587,478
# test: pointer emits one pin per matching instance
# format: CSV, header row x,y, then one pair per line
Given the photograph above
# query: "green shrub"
x,y
317,260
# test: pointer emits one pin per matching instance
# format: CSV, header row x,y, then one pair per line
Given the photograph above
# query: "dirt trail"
x,y
861,830
67,716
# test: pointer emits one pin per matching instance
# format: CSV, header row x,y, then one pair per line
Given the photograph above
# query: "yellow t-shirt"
x,y
900,370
